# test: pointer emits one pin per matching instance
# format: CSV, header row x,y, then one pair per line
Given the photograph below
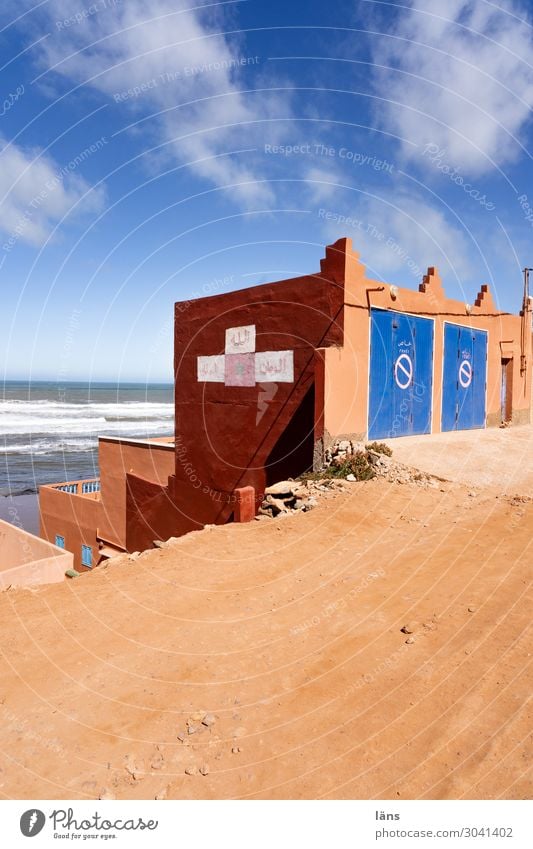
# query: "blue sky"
x,y
151,152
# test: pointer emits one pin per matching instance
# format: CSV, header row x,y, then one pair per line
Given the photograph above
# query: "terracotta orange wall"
x,y
75,517
151,461
345,370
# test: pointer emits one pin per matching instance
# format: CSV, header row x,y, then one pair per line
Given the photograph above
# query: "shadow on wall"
x,y
292,455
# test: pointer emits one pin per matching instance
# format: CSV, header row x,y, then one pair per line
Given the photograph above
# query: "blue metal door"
x,y
401,374
464,378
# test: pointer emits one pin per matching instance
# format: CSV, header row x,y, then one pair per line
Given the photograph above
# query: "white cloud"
x,y
323,184
400,234
36,193
475,92
151,58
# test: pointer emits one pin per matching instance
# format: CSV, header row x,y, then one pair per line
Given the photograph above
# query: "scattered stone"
x,y
279,504
208,720
204,769
106,794
190,770
129,764
281,488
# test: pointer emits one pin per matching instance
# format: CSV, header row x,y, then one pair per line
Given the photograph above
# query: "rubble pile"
x,y
290,496
382,464
286,496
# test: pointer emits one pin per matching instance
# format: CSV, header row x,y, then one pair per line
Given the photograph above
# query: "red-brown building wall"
x,y
233,436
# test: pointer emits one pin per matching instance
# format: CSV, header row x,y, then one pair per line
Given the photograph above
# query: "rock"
x,y
281,488
282,505
106,794
344,445
410,640
138,776
190,770
134,555
197,716
472,608
235,750
192,729
472,494
373,457
157,761
204,769
351,478
409,628
182,737
158,543
162,794
129,764
208,720
310,504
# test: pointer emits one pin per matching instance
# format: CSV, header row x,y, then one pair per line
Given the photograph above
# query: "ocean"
x,y
49,431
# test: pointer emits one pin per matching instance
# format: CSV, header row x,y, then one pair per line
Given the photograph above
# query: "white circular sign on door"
x,y
465,374
403,371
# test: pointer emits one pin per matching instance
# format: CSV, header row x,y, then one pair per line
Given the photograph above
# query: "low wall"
x,y
74,517
26,560
150,460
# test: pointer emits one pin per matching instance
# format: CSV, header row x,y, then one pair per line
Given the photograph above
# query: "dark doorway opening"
x,y
507,390
292,454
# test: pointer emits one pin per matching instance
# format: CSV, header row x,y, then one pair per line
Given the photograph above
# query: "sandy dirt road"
x,y
499,458
289,633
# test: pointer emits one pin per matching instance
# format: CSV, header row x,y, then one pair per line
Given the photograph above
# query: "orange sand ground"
x,y
288,632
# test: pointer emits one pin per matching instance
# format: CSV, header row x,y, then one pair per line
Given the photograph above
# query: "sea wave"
x,y
53,409
35,418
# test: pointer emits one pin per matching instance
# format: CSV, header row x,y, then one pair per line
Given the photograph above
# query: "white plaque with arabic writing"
x,y
274,367
211,369
240,340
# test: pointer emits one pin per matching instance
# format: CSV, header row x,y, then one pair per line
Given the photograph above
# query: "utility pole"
x,y
525,336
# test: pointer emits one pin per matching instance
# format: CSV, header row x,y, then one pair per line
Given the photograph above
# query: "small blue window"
x,y
60,541
87,556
